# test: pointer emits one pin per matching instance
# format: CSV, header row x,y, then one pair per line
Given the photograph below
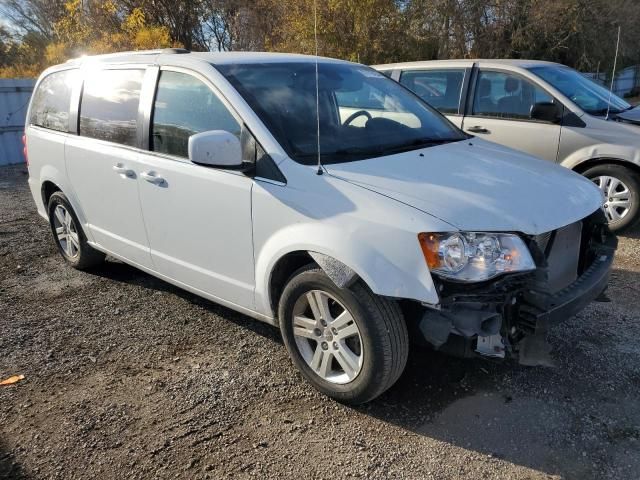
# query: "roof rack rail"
x,y
175,50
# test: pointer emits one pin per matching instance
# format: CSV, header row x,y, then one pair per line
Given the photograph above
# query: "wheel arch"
x,y
388,269
339,273
47,189
282,270
592,162
52,180
586,157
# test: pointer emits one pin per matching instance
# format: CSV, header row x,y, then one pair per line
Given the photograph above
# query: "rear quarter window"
x,y
51,101
439,88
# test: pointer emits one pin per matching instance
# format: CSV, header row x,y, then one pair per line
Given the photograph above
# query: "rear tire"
x,y
354,355
621,187
69,236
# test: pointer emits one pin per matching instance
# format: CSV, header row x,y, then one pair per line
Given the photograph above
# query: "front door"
x,y
102,162
500,112
198,218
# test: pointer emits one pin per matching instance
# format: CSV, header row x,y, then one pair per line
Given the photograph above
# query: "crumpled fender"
x,y
395,268
374,236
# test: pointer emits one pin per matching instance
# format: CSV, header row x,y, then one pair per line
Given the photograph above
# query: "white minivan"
x,y
260,182
545,109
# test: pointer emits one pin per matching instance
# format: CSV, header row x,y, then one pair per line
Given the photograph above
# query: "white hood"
x,y
477,185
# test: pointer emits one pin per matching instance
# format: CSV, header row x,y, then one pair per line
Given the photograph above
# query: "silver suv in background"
x,y
542,108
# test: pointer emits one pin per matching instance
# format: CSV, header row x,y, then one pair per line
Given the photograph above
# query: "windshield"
x,y
587,94
363,114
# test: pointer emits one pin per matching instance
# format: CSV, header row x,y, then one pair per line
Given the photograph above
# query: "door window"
x,y
50,106
439,88
183,107
505,95
109,107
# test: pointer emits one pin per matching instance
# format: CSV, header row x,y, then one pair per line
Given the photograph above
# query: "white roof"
x,y
522,63
220,58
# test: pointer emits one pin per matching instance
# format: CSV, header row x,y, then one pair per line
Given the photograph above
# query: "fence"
x,y
14,100
626,82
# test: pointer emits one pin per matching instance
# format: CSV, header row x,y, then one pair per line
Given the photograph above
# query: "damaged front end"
x,y
510,315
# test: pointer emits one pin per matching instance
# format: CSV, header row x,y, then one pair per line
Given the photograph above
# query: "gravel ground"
x,y
127,376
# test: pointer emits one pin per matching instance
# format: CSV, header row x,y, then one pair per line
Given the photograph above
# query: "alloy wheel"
x,y
617,197
66,232
327,337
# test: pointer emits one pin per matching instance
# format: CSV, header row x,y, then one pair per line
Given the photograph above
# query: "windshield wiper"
x,y
420,143
383,149
388,150
603,111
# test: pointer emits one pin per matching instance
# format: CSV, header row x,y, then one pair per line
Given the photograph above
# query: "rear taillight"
x,y
24,149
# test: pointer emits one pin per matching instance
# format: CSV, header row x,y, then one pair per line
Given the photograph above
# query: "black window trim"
x,y
477,69
466,80
151,98
147,102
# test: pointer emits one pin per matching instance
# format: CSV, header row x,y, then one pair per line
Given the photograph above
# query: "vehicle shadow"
x,y
462,403
121,272
633,233
9,467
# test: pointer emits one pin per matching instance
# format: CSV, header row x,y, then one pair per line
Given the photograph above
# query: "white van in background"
x,y
542,108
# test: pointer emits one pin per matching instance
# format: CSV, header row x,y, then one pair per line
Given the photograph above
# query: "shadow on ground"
x,y
121,272
9,467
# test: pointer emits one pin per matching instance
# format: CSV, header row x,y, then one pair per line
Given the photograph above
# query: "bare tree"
x,y
33,16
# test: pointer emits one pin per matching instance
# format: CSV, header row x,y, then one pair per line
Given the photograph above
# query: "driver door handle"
x,y
152,177
124,171
478,129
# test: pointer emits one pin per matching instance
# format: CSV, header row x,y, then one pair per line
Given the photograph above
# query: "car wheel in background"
x,y
349,343
621,189
69,236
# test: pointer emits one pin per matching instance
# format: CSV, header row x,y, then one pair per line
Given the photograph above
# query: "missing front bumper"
x,y
518,309
543,310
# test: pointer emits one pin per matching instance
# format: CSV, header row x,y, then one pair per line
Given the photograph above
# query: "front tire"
x,y
349,343
621,189
69,236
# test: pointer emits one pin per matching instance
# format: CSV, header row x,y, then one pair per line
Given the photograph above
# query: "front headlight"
x,y
474,256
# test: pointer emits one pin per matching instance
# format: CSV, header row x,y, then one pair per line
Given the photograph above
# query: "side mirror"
x,y
546,112
215,148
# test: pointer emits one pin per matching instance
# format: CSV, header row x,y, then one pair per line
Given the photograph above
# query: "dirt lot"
x,y
129,377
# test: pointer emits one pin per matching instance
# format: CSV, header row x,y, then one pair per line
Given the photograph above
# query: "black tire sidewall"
x,y
58,198
629,178
360,389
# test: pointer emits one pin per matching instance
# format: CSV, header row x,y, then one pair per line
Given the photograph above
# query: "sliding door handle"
x,y
153,177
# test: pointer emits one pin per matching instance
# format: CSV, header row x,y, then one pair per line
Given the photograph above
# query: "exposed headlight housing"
x,y
474,256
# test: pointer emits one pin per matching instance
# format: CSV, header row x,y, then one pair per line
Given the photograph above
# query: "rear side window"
x,y
183,107
50,105
109,106
439,88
